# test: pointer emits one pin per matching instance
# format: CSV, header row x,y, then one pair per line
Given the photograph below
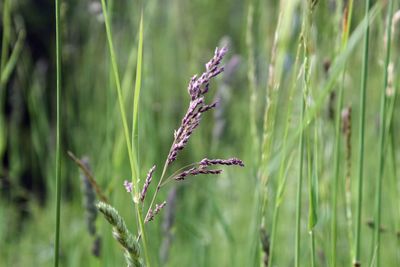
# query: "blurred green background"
x,y
215,220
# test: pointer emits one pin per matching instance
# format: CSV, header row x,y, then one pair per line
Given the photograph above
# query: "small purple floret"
x,y
128,186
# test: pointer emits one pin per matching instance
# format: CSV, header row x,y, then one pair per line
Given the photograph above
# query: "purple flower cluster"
x,y
128,186
147,183
202,167
150,215
195,171
198,87
228,162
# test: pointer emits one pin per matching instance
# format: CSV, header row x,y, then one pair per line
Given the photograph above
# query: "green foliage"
x,y
216,221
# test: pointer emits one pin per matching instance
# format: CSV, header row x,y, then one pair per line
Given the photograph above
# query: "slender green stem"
x,y
312,241
119,90
4,56
312,155
299,183
159,183
131,155
304,36
138,84
361,136
382,133
336,175
345,34
6,34
283,163
313,189
251,76
58,133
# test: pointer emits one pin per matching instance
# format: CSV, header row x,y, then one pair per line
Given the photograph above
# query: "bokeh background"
x,y
211,221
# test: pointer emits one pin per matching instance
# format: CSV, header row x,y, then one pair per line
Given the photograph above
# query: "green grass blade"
x,y
58,133
12,61
281,175
131,154
363,90
382,137
251,76
6,34
338,122
138,84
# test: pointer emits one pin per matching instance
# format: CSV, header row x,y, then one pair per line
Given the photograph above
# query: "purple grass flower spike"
x,y
195,171
128,186
198,87
228,162
150,215
159,207
147,183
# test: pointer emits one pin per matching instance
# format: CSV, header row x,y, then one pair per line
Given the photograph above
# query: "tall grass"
x,y
129,143
312,152
283,167
361,136
58,134
304,95
346,24
382,136
272,114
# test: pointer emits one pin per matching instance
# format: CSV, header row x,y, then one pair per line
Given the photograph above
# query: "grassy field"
x,y
92,91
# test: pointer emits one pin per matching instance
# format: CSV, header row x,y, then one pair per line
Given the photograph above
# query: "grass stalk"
x,y
382,135
363,89
338,122
313,190
4,55
131,155
251,76
304,36
6,34
58,133
299,184
281,174
312,152
138,83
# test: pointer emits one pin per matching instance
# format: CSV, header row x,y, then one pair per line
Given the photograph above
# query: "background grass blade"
x,y
294,78
382,136
131,154
361,136
346,24
58,134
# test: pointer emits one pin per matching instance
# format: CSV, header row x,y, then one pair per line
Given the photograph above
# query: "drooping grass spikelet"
x,y
89,203
195,171
89,199
122,234
204,163
228,162
89,176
